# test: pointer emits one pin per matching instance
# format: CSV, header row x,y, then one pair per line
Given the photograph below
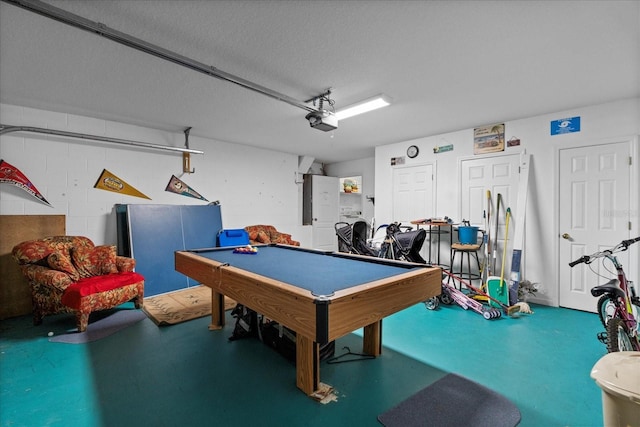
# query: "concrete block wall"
x,y
254,186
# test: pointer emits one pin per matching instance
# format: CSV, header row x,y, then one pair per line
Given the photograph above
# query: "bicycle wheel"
x,y
606,309
618,336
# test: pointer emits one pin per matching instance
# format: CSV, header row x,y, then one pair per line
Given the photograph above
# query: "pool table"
x,y
320,295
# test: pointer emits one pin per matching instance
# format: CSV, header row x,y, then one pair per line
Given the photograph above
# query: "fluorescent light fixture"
x,y
365,106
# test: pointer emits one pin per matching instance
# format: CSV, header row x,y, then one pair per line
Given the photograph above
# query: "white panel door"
x,y
413,193
325,211
497,175
414,196
594,215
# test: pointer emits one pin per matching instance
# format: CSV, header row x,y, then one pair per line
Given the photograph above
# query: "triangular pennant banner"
x,y
177,186
110,182
11,175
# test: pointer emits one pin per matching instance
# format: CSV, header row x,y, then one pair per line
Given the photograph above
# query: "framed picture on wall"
x,y
488,139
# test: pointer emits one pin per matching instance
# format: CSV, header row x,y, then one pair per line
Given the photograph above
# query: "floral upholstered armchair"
x,y
268,234
68,274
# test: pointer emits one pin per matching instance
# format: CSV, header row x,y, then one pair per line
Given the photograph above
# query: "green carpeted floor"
x,y
186,375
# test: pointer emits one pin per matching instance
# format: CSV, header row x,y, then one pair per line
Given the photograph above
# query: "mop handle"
x,y
504,251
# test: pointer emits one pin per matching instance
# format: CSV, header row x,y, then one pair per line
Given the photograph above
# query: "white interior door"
x,y
325,211
594,214
414,196
498,175
413,193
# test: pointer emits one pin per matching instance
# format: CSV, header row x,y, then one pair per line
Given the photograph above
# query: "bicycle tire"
x,y
618,336
606,309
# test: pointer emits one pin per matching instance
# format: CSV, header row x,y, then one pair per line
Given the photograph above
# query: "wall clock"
x,y
412,151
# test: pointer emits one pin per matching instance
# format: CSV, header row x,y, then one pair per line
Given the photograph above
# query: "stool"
x,y
468,251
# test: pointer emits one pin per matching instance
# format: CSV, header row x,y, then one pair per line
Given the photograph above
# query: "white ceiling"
x,y
448,65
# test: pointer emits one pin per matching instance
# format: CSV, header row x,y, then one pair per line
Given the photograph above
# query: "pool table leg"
x,y
372,343
307,364
217,311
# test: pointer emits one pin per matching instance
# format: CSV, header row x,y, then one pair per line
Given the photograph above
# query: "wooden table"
x,y
436,227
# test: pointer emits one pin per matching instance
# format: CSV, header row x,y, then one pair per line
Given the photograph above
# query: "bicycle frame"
x,y
622,321
619,288
618,292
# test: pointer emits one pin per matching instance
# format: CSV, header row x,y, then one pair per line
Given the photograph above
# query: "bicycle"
x,y
618,304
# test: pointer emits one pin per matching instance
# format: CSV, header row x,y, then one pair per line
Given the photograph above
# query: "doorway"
x,y
321,209
595,191
498,175
414,196
413,193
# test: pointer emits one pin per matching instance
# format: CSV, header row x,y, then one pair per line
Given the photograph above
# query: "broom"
x,y
496,286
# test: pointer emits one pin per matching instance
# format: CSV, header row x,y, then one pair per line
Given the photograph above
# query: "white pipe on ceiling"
x,y
8,128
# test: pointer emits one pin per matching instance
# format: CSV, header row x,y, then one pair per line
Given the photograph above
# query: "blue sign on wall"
x,y
569,125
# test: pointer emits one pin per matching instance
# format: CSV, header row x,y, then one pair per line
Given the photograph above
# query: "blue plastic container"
x,y
468,235
237,237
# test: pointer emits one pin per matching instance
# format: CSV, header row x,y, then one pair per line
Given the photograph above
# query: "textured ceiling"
x,y
448,65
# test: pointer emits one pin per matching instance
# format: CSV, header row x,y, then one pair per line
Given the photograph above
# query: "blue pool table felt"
x,y
322,274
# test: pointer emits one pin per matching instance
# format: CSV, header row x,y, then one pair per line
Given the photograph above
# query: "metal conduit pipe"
x,y
133,42
7,129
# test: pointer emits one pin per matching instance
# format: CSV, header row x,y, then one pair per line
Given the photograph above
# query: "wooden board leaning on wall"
x,y
15,295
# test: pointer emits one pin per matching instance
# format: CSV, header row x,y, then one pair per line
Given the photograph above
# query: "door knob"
x,y
566,236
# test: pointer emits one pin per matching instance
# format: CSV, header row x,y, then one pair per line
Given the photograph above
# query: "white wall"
x,y
364,168
259,186
619,119
254,186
